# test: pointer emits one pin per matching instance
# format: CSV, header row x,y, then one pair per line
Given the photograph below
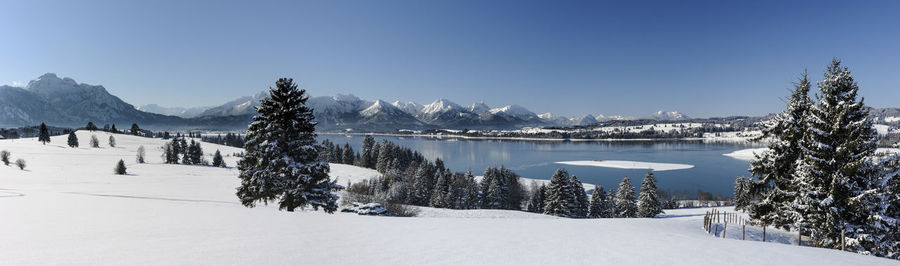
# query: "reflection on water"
x,y
536,159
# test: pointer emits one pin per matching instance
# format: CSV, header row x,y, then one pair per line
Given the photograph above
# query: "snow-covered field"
x,y
68,208
630,165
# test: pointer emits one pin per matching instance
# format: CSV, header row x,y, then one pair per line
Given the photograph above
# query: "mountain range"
x,y
64,102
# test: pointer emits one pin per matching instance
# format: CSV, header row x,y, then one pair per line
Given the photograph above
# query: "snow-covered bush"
x,y
4,156
95,143
120,168
141,154
20,163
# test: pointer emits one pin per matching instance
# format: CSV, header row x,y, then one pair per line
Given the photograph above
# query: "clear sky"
x,y
702,58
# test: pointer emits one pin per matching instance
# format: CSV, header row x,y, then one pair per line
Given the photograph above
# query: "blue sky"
x,y
702,58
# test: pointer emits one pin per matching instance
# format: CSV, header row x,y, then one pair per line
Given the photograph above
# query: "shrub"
x,y
4,156
20,163
141,154
120,168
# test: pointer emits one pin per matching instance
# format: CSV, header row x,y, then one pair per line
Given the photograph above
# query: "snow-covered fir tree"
x,y
217,160
368,156
420,194
879,234
44,134
348,156
775,168
120,168
582,202
141,154
626,205
135,130
649,204
440,197
600,205
471,201
538,196
742,193
833,171
73,140
95,143
112,141
280,160
560,199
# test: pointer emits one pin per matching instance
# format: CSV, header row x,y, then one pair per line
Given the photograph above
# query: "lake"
x,y
712,172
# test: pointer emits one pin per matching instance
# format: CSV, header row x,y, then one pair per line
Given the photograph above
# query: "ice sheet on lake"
x,y
630,165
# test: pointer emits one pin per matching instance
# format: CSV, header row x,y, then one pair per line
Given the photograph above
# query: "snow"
x,y
891,119
68,208
882,129
513,110
746,154
749,154
630,165
440,106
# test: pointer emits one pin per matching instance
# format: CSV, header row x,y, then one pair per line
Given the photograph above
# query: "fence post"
x,y
800,236
743,232
764,233
717,230
725,228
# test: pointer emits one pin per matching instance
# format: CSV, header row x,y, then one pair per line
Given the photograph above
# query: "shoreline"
x,y
734,140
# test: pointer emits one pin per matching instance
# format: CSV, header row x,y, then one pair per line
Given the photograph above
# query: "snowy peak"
x,y
441,106
514,110
381,107
411,108
176,111
662,115
479,107
584,120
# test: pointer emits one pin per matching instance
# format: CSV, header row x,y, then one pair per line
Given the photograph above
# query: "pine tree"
x,y
600,205
775,169
741,193
420,191
112,141
368,152
170,154
559,199
879,235
625,200
538,197
439,197
217,160
472,195
834,170
280,160
648,201
91,127
113,129
135,130
73,140
141,154
95,143
348,154
44,135
582,203
120,168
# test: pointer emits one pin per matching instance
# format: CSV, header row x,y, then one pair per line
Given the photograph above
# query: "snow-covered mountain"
x,y
411,108
186,112
584,120
662,115
384,116
65,102
479,107
240,106
444,113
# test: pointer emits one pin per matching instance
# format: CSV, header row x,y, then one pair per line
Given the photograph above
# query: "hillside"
x,y
68,208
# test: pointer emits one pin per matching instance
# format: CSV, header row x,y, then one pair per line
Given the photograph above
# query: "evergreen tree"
x,y
775,168
648,200
538,196
141,154
280,161
217,160
625,200
420,193
833,170
20,163
560,199
135,130
582,203
73,140
439,197
90,126
368,152
44,135
742,193
348,154
472,196
112,141
170,153
95,143
600,204
120,168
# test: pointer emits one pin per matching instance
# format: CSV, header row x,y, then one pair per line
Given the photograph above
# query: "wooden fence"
x,y
715,219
